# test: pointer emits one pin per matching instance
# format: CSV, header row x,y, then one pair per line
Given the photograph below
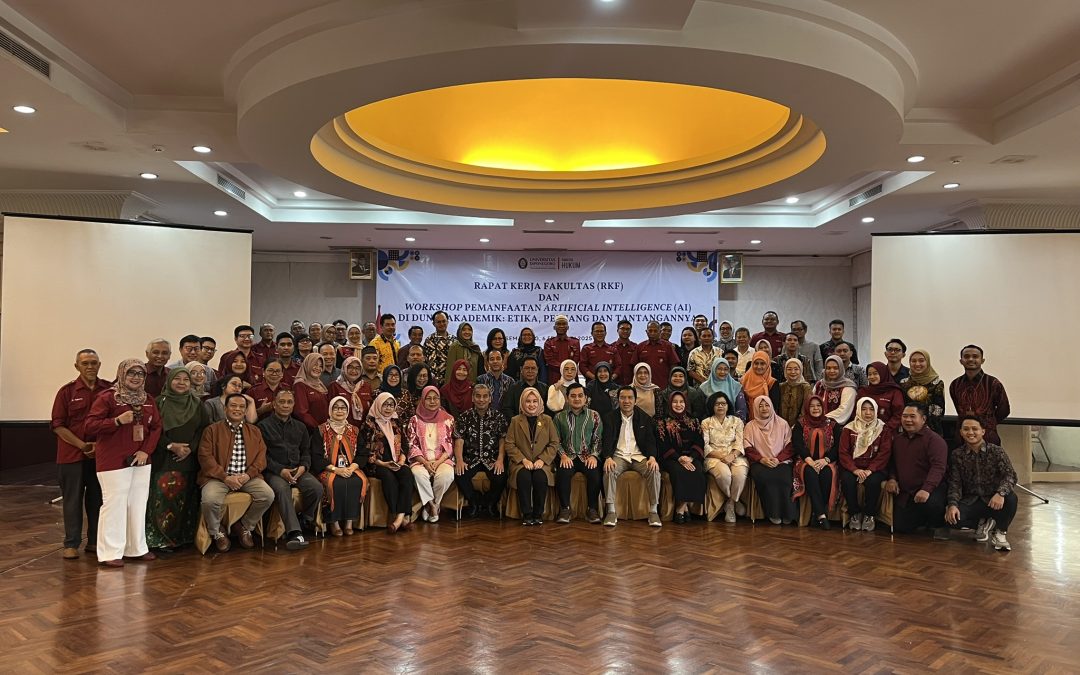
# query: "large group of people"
x,y
328,408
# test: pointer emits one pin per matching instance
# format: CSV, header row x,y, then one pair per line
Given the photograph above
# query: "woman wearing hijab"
x,y
382,436
865,448
774,368
816,440
496,342
758,381
237,364
226,386
312,396
391,382
725,337
768,447
342,476
462,347
351,386
532,442
688,342
172,513
430,435
526,346
721,380
647,392
837,391
679,381
793,391
556,394
885,392
682,452
200,380
354,343
419,375
127,426
457,392
923,386
725,452
600,389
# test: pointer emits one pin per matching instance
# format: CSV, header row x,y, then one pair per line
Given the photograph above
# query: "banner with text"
x,y
513,289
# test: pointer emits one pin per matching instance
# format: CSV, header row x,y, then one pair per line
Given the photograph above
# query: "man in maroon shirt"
x,y
917,474
976,393
597,351
284,354
627,353
265,350
245,340
157,356
416,338
769,321
560,348
77,472
659,354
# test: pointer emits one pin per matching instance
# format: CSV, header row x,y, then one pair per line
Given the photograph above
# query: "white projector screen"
x,y
1014,294
112,287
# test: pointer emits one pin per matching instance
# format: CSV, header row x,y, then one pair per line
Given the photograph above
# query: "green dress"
x,y
172,511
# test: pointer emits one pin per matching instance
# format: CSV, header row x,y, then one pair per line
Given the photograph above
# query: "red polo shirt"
x,y
262,353
661,357
558,349
627,351
114,444
592,354
70,409
263,394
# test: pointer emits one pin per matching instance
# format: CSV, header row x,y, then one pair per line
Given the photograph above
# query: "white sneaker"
x,y
999,541
855,522
729,512
868,524
982,532
740,509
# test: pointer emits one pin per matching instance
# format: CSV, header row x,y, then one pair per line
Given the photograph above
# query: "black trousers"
x,y
532,487
972,513
80,488
774,490
564,481
311,492
909,515
397,488
849,483
818,485
492,496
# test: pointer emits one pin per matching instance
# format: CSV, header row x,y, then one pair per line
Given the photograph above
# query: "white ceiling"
x,y
977,80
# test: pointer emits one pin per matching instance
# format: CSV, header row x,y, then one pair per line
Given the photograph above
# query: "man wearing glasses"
x,y
245,339
895,350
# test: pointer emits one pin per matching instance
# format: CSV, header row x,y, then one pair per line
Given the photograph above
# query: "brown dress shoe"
x,y
222,544
148,556
113,563
71,553
246,540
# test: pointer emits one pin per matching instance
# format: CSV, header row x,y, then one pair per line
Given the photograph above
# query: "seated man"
x,y
917,474
629,440
479,433
981,480
580,431
288,465
232,457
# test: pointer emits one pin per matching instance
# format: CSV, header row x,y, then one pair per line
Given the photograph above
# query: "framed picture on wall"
x,y
361,266
731,268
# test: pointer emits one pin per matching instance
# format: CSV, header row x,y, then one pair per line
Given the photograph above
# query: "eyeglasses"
x,y
135,373
893,350
245,336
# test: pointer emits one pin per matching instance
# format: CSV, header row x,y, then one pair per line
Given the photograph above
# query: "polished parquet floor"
x,y
491,597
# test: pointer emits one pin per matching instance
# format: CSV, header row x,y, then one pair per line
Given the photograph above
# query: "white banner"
x,y
513,289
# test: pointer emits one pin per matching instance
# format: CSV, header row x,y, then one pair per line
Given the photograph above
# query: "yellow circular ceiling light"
x,y
568,144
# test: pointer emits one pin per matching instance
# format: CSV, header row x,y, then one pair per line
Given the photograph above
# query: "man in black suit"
x,y
629,443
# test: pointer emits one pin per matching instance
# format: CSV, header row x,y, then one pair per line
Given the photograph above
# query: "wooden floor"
x,y
495,597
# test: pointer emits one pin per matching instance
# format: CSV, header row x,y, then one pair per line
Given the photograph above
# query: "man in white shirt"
x,y
629,443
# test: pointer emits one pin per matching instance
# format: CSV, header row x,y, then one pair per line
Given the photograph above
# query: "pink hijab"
x,y
430,416
768,433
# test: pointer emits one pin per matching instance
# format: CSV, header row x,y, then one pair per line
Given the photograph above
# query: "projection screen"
x,y
1014,294
69,284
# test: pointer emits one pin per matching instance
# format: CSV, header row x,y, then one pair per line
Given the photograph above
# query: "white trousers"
x,y
731,479
122,523
432,488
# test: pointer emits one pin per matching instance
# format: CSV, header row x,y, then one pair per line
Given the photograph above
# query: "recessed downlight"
x,y
147,175
915,159
202,149
755,241
549,220
25,109
791,200
609,241
410,239
680,241
485,240
868,219
220,212
299,194
951,186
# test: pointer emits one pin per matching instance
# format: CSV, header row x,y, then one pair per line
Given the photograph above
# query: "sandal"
x,y
335,529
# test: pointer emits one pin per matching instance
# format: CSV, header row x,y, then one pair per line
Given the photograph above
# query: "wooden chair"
x,y
579,501
233,509
885,509
275,527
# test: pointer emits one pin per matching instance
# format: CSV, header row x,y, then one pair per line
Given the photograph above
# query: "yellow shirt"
x,y
387,351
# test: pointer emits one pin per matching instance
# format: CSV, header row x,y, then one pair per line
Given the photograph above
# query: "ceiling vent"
x,y
401,229
863,196
547,232
22,53
836,233
231,187
1013,159
693,231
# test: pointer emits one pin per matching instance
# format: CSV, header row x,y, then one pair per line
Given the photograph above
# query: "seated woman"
x,y
688,342
923,386
526,346
172,512
721,380
462,347
837,391
391,382
344,457
382,436
679,381
430,434
601,390
531,444
351,386
865,448
647,392
556,394
758,381
793,391
886,393
457,392
682,452
215,405
237,364
768,447
200,380
312,396
725,452
419,375
816,439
